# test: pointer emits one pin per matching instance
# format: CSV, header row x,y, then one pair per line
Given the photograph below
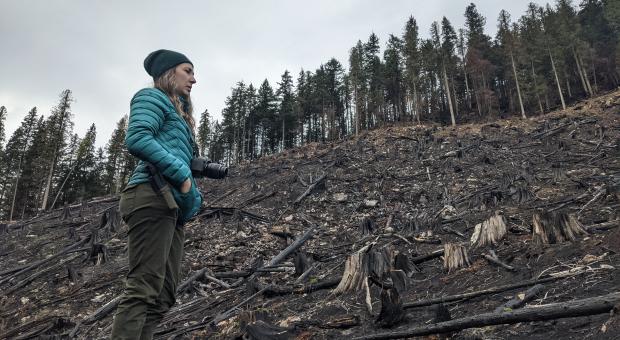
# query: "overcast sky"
x,y
96,48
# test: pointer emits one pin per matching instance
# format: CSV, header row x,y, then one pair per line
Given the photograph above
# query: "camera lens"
x,y
216,171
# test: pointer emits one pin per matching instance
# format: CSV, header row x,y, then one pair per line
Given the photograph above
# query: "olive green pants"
x,y
155,246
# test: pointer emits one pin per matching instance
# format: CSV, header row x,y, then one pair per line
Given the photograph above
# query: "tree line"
x,y
542,61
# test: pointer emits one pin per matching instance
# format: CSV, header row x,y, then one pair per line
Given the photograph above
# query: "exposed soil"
x,y
415,188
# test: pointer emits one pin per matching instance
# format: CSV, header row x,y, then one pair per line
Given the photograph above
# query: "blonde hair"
x,y
167,83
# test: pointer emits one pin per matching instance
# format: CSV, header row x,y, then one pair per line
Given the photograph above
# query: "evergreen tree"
x,y
2,133
286,117
204,132
59,126
394,79
412,66
508,44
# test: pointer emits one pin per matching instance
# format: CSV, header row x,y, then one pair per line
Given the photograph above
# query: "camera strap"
x,y
155,178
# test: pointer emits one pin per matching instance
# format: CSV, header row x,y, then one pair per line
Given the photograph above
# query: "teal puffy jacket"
x,y
157,134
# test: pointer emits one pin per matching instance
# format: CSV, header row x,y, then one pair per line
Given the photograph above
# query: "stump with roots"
x,y
488,232
555,227
355,276
455,256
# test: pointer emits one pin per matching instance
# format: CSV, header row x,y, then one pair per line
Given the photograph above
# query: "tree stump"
x,y
555,227
400,281
488,232
4,228
355,274
402,262
301,262
66,213
392,311
367,226
455,256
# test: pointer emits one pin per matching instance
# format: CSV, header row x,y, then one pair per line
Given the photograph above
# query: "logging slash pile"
x,y
499,230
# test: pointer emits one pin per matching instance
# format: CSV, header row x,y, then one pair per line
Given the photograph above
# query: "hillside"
x,y
399,199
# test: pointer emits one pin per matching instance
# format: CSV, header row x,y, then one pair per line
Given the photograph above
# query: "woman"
x,y
160,134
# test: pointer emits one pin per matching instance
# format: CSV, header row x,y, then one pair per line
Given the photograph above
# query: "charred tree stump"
x,y
83,208
367,226
455,256
301,263
66,213
114,218
98,254
555,227
379,262
400,281
488,232
402,262
392,311
4,228
71,234
72,274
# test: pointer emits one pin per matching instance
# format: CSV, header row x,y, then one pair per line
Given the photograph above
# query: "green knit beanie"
x,y
158,62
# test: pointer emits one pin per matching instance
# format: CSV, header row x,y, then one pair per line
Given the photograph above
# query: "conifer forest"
x,y
544,60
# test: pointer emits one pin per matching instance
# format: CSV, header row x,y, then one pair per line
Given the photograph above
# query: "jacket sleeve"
x,y
145,119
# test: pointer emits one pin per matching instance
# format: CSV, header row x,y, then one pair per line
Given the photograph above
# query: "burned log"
x,y
492,290
261,330
423,258
575,308
521,299
555,227
492,257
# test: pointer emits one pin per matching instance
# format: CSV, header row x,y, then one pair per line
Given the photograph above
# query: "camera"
x,y
202,167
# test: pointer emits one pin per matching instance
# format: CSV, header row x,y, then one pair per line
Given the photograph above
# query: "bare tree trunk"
x,y
586,89
415,102
585,75
557,81
445,78
63,184
514,70
48,184
536,87
594,71
19,172
570,93
456,102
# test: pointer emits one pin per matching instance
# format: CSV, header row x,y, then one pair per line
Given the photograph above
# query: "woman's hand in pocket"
x,y
186,186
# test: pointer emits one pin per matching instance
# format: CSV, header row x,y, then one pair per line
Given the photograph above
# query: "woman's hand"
x,y
186,186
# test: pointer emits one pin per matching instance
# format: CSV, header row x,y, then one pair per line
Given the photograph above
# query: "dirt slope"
x,y
405,191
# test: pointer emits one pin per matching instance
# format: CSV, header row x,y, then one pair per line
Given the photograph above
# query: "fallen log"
x,y
426,257
38,274
272,290
292,247
309,190
521,299
492,290
575,308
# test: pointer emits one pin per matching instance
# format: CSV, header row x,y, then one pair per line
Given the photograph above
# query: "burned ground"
x,y
392,196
